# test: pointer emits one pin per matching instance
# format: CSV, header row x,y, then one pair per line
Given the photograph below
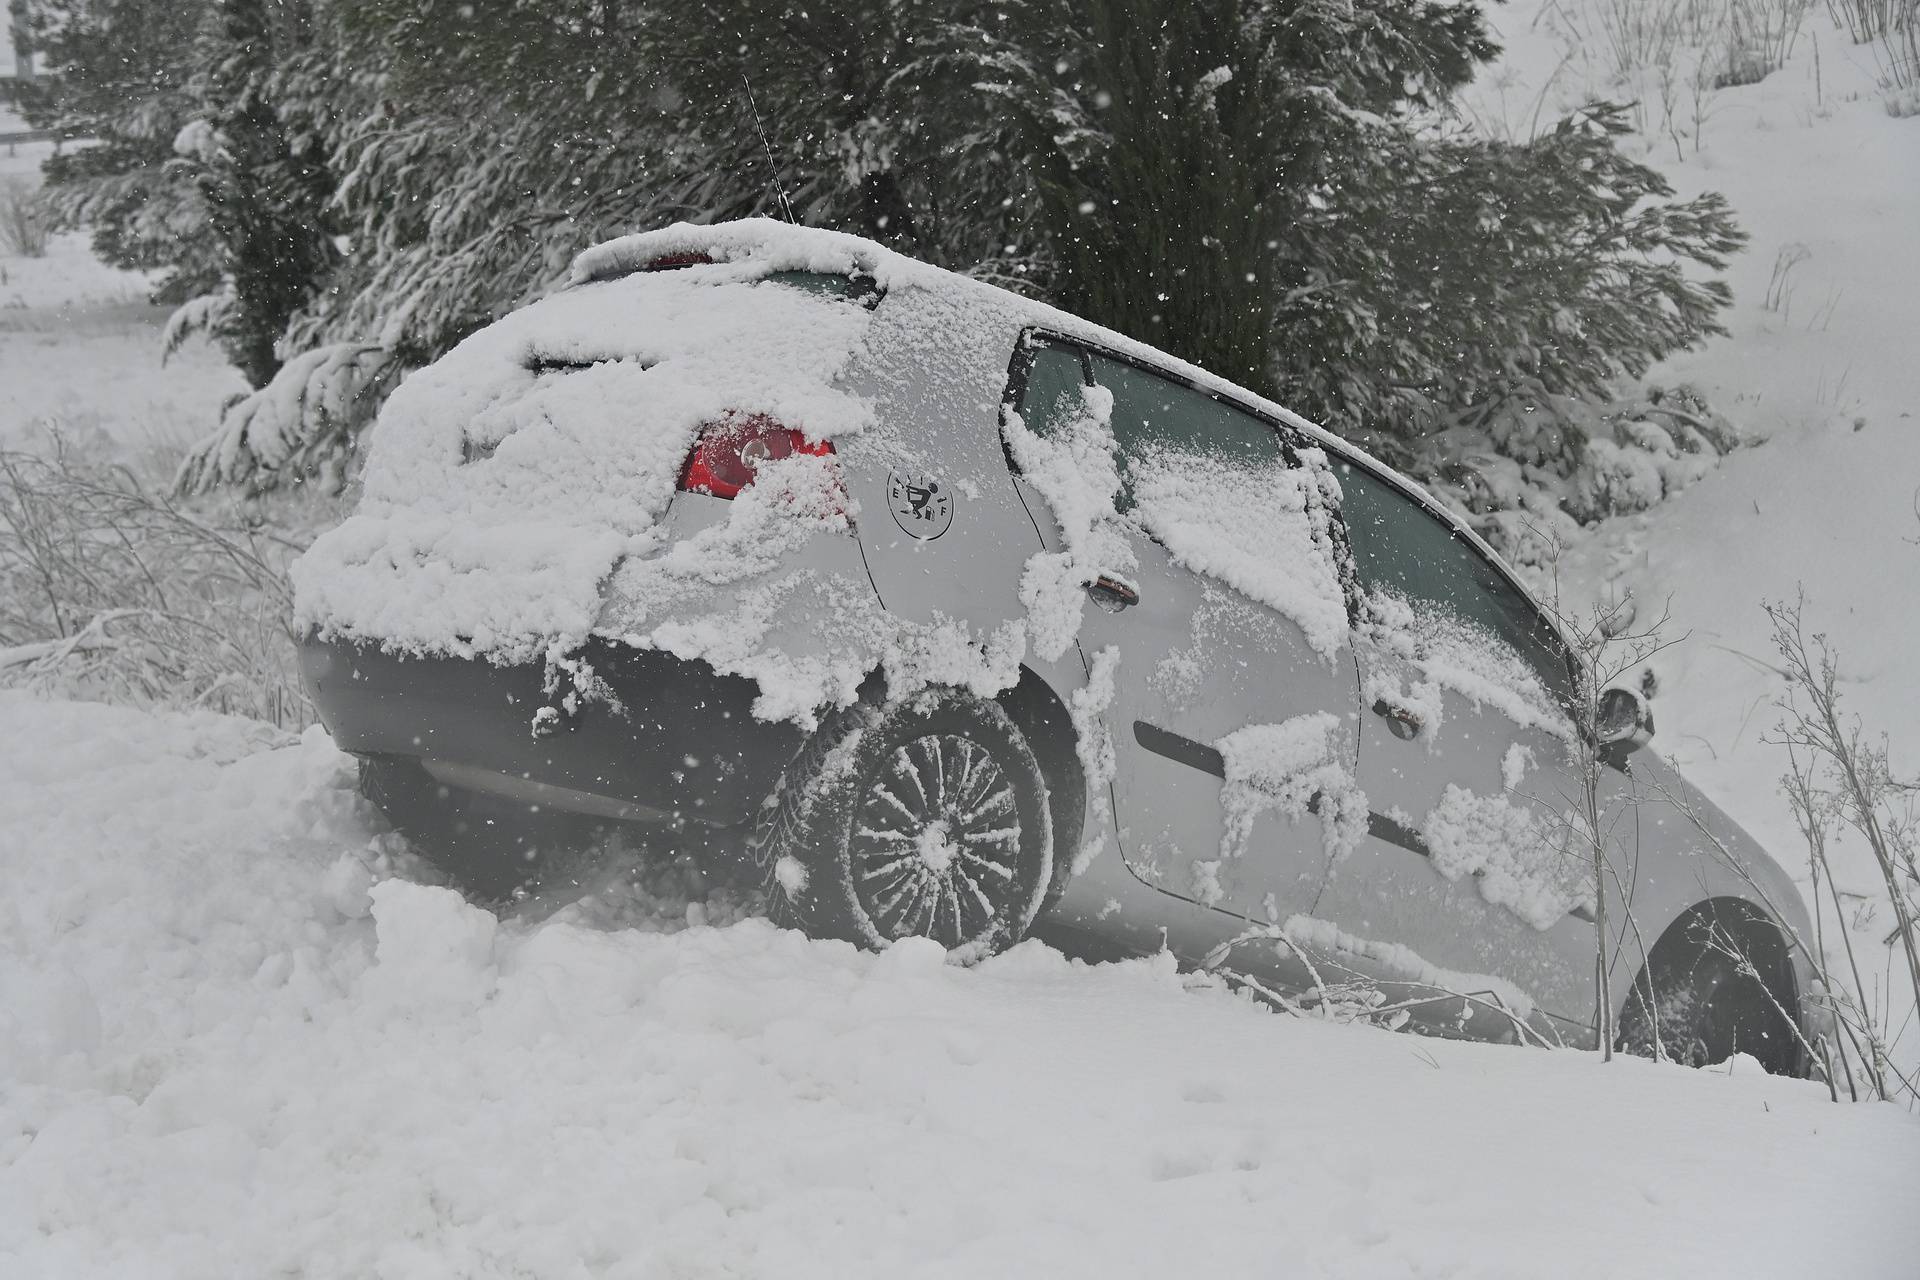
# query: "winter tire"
x,y
926,818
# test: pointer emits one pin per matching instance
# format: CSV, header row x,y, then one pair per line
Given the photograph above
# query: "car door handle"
x,y
1113,593
1401,723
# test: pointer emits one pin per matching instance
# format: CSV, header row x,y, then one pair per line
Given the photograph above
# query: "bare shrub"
x,y
1841,786
1761,37
1866,20
1780,284
1892,29
1896,54
1639,33
1611,646
1648,34
109,589
24,225
1840,781
1335,991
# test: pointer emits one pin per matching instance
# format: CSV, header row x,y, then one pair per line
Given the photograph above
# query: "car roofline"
x,y
783,246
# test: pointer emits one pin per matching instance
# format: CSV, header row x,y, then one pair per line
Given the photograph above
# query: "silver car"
x,y
953,615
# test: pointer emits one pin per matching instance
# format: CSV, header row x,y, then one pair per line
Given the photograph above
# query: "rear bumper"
x,y
683,747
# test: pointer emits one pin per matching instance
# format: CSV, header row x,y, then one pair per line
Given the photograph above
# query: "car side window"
x,y
1212,484
1401,547
1054,389
1156,418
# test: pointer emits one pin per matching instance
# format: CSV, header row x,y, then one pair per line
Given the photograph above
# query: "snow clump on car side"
x,y
1424,649
1264,531
1075,471
1286,768
1514,863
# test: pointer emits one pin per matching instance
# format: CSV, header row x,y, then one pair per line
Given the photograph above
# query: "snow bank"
x,y
233,1046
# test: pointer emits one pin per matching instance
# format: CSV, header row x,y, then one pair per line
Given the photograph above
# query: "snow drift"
x,y
232,1045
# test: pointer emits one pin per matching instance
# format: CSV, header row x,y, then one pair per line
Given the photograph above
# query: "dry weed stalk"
x,y
25,227
110,589
1840,779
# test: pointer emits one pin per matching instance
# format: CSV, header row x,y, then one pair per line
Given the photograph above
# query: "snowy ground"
x,y
231,1045
1825,182
231,1052
80,348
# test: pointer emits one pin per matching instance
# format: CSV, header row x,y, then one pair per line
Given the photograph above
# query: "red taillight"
x,y
728,453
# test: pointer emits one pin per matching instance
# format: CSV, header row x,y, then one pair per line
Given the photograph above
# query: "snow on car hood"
x,y
506,480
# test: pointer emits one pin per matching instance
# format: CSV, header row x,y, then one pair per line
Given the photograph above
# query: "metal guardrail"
x,y
16,137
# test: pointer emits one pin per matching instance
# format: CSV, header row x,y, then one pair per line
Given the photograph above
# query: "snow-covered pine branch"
x,y
303,425
202,315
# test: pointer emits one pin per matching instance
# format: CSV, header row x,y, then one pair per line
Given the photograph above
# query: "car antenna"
x,y
786,205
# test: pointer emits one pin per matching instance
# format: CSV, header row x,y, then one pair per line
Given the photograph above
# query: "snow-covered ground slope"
x,y
230,1050
80,347
1823,179
1819,369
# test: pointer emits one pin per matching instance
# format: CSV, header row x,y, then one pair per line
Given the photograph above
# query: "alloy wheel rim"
x,y
936,841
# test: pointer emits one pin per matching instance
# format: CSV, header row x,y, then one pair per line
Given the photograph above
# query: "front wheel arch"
x,y
1696,1002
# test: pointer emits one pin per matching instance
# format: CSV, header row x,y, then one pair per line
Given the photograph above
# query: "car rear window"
x,y
858,288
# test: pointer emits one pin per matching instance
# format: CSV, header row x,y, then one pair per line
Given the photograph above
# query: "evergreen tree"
x,y
1210,133
499,142
122,76
1456,273
266,199
1262,186
192,172
1257,185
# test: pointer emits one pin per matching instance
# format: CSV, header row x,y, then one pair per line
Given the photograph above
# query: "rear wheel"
x,y
927,818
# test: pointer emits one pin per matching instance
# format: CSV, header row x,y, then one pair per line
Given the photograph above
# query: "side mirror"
x,y
1623,719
